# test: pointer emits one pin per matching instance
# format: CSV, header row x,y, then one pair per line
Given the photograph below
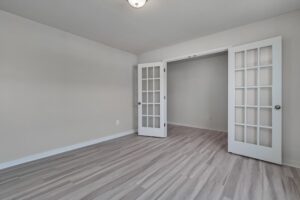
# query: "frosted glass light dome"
x,y
137,3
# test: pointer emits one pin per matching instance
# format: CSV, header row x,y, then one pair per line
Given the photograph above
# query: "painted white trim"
x,y
292,163
198,54
63,149
194,126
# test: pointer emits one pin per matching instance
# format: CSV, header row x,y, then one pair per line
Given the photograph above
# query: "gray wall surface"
x,y
288,26
198,92
58,89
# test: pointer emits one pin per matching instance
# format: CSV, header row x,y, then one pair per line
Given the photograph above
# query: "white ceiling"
x,y
159,23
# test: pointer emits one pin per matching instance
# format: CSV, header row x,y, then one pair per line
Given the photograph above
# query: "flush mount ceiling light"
x,y
137,3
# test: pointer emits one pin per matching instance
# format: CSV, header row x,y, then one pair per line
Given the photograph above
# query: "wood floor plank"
x,y
190,164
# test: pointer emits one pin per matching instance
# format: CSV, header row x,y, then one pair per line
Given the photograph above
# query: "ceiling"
x,y
159,23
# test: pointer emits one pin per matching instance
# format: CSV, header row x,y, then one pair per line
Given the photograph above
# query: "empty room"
x,y
149,99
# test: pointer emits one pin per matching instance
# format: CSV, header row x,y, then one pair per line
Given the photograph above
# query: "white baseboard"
x,y
193,126
96,141
63,149
292,163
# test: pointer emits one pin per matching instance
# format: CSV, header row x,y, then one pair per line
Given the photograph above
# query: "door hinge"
x,y
164,124
164,69
164,97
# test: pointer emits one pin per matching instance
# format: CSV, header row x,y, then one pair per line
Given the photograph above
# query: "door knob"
x,y
277,107
139,103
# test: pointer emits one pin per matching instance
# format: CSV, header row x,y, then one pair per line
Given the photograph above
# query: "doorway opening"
x,y
197,94
254,96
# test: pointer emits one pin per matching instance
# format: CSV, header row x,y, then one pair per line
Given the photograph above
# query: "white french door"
x,y
152,99
255,84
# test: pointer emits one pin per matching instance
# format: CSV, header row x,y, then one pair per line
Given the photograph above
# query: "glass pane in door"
x,y
150,109
239,97
265,137
239,115
266,76
157,84
144,73
144,121
252,77
252,116
266,117
251,96
251,135
266,55
150,122
239,78
239,133
157,72
252,58
150,84
144,97
239,60
150,72
144,109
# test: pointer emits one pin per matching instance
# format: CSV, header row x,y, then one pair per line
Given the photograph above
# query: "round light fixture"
x,y
137,3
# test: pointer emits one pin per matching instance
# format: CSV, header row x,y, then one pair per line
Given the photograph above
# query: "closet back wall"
x,y
58,89
197,92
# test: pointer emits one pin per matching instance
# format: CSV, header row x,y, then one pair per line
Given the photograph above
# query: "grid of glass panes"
x,y
151,97
253,96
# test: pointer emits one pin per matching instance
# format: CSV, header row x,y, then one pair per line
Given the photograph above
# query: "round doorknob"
x,y
277,107
139,103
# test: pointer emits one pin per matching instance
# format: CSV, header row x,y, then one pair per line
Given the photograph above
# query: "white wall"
x,y
198,92
288,26
58,89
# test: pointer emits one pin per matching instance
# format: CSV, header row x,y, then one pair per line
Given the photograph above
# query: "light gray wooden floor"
x,y
189,164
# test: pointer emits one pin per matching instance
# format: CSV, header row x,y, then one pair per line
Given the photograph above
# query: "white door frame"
x,y
198,54
189,56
